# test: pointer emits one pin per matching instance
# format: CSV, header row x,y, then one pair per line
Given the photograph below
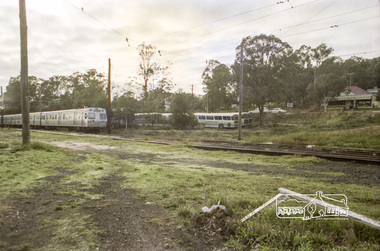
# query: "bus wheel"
x,y
221,126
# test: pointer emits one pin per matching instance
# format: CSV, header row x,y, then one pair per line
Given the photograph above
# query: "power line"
x,y
322,19
97,20
332,26
120,34
251,20
312,16
359,53
215,21
282,28
229,27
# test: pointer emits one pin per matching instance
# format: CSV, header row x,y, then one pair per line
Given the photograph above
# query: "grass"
x,y
73,232
331,129
183,180
24,167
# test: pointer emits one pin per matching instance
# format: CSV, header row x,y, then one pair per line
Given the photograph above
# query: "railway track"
x,y
337,154
349,155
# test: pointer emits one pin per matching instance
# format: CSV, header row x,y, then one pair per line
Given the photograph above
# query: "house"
x,y
355,97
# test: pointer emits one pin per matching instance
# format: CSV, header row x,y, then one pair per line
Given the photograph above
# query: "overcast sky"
x,y
66,36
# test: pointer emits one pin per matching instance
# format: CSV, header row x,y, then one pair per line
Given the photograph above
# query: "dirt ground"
x,y
125,222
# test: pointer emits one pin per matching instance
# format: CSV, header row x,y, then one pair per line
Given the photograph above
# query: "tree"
x,y
312,58
153,74
330,82
155,101
182,117
217,79
86,89
125,106
264,58
361,72
48,93
12,95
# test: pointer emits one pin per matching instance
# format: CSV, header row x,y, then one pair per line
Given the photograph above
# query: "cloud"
x,y
63,39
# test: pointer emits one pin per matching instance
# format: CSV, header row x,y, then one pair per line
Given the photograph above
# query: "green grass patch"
x,y
24,167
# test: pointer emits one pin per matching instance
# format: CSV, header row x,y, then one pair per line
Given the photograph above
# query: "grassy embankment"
x,y
331,129
183,180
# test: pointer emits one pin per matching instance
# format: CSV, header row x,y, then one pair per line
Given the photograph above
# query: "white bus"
x,y
223,120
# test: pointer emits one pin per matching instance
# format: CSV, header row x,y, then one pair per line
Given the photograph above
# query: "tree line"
x,y
273,72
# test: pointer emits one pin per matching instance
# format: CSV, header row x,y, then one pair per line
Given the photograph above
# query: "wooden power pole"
x,y
109,98
241,91
2,107
24,74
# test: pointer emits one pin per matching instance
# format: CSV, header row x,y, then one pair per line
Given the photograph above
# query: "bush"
x,y
183,120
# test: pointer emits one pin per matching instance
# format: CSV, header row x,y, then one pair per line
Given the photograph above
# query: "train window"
x,y
85,116
43,117
210,117
201,117
226,118
103,116
91,115
218,117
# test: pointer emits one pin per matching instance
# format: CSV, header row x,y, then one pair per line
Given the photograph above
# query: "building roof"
x,y
356,90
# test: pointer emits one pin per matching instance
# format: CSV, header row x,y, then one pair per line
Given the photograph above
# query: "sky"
x,y
67,36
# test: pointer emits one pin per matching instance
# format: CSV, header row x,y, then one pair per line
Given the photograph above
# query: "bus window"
x,y
103,116
218,117
226,118
202,117
210,117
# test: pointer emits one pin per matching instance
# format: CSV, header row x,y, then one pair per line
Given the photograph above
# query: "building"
x,y
355,97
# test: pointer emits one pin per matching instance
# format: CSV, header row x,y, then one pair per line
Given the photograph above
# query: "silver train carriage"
x,y
85,118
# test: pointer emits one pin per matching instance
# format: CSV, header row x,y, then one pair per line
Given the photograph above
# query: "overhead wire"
x,y
312,16
332,26
232,26
282,28
251,20
215,21
359,53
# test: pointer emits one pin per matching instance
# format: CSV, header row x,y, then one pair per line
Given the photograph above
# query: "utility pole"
x,y
192,97
2,107
109,98
24,74
241,90
351,77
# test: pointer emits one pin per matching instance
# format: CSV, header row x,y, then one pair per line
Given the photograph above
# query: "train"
x,y
85,119
95,119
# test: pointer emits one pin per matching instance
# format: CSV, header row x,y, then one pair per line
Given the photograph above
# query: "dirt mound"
x,y
218,221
